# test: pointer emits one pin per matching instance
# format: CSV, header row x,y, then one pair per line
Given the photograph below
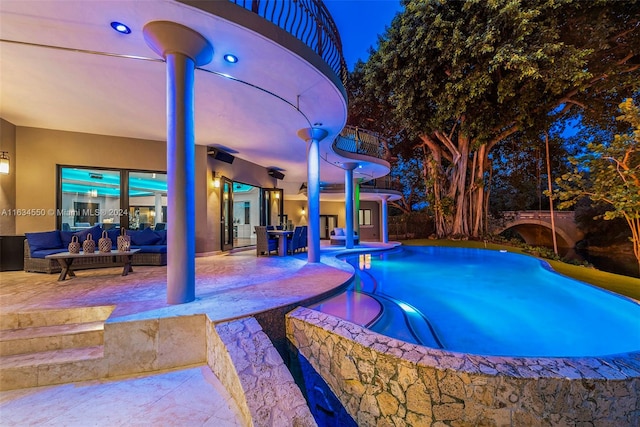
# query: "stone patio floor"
x,y
228,286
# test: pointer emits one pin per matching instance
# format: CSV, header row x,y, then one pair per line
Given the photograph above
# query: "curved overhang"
x,y
335,193
63,67
369,167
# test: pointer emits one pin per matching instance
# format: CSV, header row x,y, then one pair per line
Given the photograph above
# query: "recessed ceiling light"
x,y
232,59
120,27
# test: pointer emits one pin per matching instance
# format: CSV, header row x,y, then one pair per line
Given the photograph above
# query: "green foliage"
x,y
455,78
520,172
609,172
499,63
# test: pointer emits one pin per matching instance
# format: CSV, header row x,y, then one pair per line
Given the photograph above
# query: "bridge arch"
x,y
530,229
535,228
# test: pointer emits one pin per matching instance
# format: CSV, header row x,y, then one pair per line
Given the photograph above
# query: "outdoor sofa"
x,y
339,236
152,245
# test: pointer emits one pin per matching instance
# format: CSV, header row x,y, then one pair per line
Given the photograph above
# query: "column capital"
x,y
349,166
166,37
308,134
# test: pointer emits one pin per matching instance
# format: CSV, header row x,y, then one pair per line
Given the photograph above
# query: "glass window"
x,y
89,197
147,200
273,204
364,217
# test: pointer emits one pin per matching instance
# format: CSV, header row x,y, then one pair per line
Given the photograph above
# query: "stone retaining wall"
x,y
384,381
242,357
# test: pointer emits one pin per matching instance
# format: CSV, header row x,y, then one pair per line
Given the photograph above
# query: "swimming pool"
x,y
484,302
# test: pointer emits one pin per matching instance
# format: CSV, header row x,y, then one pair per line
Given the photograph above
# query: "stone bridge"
x,y
535,227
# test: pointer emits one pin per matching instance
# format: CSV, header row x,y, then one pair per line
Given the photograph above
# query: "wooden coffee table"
x,y
65,259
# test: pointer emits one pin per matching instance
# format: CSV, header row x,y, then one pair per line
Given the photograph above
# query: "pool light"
x,y
231,59
406,307
120,27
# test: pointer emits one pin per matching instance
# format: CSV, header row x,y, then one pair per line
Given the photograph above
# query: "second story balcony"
x,y
307,20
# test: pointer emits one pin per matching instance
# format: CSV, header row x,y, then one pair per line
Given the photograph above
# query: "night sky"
x,y
359,23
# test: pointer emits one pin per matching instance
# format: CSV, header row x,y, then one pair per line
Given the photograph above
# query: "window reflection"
x,y
147,200
246,213
89,197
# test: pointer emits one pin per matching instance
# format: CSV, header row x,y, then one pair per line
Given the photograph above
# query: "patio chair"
x,y
296,240
304,237
264,244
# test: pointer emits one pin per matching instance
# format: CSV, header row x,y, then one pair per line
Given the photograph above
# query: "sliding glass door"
x,y
246,213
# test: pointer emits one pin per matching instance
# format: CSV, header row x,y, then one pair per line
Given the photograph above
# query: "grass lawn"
x,y
623,285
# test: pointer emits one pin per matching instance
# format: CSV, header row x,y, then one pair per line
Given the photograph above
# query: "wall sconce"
x,y
277,195
216,179
303,211
4,162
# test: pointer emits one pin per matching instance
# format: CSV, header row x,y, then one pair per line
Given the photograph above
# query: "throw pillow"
x,y
162,234
339,231
44,240
145,237
96,233
113,234
66,237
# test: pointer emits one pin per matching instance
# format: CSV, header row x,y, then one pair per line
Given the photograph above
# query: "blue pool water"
x,y
489,303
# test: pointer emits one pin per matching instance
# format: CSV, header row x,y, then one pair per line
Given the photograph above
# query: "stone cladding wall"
x,y
382,381
241,355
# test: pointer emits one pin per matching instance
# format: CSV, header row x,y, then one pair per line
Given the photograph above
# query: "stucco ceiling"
x,y
54,74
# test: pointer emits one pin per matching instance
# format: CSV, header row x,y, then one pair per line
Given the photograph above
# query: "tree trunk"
x,y
478,185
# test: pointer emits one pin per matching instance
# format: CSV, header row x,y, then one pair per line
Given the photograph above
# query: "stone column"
x,y
313,136
183,49
348,202
384,218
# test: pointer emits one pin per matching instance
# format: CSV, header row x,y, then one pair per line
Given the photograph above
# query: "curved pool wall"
x,y
384,381
485,302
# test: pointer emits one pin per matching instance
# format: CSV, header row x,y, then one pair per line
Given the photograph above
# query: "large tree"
x,y
459,77
610,173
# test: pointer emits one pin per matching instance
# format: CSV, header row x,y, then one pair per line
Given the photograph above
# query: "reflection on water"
x,y
618,264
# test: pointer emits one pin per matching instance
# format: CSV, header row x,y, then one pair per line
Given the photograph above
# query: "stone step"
x,y
51,317
51,367
47,338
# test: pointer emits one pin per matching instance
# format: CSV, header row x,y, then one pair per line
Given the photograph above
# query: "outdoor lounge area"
x,y
151,245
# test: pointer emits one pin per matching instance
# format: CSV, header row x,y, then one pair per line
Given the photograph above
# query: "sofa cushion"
x,y
66,237
44,240
145,237
339,231
95,231
41,253
113,234
151,249
162,234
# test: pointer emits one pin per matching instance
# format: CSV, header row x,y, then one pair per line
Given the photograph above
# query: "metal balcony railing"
x,y
360,141
307,20
384,183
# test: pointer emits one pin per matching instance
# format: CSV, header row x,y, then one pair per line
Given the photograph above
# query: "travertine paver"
x,y
383,381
